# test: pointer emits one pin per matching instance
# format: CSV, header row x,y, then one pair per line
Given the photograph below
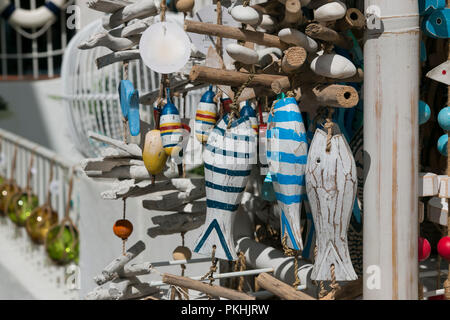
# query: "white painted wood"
x,y
242,54
246,15
441,73
131,148
438,211
176,223
331,183
428,184
333,66
330,12
444,183
107,6
298,38
105,165
138,9
125,172
114,57
110,41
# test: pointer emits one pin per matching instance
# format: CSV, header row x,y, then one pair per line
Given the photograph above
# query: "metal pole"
x,y
391,134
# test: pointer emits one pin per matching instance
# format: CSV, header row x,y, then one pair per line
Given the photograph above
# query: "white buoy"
x,y
298,38
242,54
246,15
333,66
330,12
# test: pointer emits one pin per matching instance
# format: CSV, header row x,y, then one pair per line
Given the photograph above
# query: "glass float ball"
x,y
442,144
62,247
424,249
424,112
444,118
443,248
39,222
21,206
123,228
6,192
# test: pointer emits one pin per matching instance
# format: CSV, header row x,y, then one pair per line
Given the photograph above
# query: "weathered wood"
x,y
215,291
138,9
113,153
112,270
349,291
107,6
293,59
354,19
437,211
230,78
280,288
428,184
105,165
132,149
124,172
136,26
333,95
318,31
331,183
114,57
110,41
131,188
444,186
234,33
176,223
136,269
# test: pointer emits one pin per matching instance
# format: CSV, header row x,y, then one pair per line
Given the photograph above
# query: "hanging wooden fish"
x,y
170,126
129,104
248,111
331,183
427,6
287,154
206,115
441,73
437,24
228,158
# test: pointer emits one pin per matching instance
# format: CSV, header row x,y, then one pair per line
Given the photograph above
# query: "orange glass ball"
x,y
123,228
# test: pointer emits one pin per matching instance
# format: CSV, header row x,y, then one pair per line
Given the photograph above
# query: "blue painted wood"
x,y
428,6
126,89
170,126
437,24
134,119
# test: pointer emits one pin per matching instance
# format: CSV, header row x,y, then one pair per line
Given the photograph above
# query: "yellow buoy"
x,y
153,154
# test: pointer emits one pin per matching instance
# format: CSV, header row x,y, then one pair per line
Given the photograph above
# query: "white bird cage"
x,y
91,94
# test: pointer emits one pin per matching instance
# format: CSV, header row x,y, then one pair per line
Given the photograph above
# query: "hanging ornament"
x,y
437,24
331,183
205,116
228,158
424,112
123,228
170,126
129,103
62,241
444,118
153,153
247,110
424,249
442,144
286,154
9,188
443,248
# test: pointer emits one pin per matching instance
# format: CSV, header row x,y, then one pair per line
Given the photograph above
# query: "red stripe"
x,y
163,127
206,116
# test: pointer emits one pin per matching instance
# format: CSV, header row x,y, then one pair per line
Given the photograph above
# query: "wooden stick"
x,y
230,78
139,9
133,149
107,6
176,223
124,172
334,95
354,19
234,33
215,291
280,289
318,31
105,165
114,57
293,59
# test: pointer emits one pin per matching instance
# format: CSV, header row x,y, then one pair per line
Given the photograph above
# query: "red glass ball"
x,y
443,248
424,249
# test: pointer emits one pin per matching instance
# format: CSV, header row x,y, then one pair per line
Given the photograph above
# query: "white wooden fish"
x,y
331,183
441,73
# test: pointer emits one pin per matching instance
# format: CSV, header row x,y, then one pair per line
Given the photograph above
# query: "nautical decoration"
x,y
165,47
424,249
123,228
444,118
437,24
184,5
248,111
331,183
205,116
170,126
153,153
40,221
21,206
242,54
286,154
228,157
298,38
441,73
424,112
129,104
442,144
427,6
245,14
330,12
333,66
443,248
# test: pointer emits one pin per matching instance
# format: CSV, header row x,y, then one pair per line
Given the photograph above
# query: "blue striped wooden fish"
x,y
228,157
437,24
287,154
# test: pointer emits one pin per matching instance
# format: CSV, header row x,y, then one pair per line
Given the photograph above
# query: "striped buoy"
x,y
229,155
248,111
287,155
205,117
170,126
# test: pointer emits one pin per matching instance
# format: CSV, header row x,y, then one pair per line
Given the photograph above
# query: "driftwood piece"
x,y
124,172
215,291
428,184
136,269
136,26
176,223
113,153
110,41
437,211
331,183
122,289
131,188
168,200
444,186
333,95
234,33
349,291
281,289
107,6
138,9
318,31
131,148
230,78
105,165
114,57
354,19
113,269
293,59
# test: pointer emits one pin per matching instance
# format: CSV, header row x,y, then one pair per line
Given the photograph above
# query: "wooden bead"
x,y
123,228
182,253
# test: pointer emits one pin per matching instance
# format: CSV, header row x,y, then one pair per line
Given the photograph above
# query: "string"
x,y
329,127
123,217
323,292
13,166
124,120
212,268
219,22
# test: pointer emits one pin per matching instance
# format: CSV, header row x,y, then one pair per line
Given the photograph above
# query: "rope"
x,y
334,285
212,268
163,8
123,217
323,292
13,165
29,175
234,107
291,253
329,127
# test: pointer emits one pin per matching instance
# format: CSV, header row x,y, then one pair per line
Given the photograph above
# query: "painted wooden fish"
x,y
441,73
247,110
428,6
437,24
129,104
228,157
206,115
170,126
331,183
287,154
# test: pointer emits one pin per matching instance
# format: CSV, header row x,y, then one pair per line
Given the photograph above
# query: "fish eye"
x,y
318,160
438,21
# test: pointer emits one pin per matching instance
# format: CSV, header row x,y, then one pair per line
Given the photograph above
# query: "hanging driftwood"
x,y
293,59
113,153
132,188
131,148
105,165
320,32
119,56
280,289
428,184
110,41
331,186
107,6
176,223
138,9
124,172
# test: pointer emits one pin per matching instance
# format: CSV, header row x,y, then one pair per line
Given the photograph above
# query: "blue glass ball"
x,y
442,144
444,118
424,112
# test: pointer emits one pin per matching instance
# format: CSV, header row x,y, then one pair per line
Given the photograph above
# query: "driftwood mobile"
x,y
281,127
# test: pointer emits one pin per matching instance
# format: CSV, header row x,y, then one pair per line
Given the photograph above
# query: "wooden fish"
x,y
170,126
287,154
331,183
228,157
427,6
129,104
441,73
206,115
437,24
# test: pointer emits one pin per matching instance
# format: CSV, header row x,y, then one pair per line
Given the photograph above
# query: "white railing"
x,y
26,261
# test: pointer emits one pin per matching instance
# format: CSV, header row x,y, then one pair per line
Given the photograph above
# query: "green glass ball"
x,y
21,206
7,191
62,247
39,222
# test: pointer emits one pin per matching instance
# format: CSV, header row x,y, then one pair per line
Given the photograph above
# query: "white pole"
x,y
391,94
